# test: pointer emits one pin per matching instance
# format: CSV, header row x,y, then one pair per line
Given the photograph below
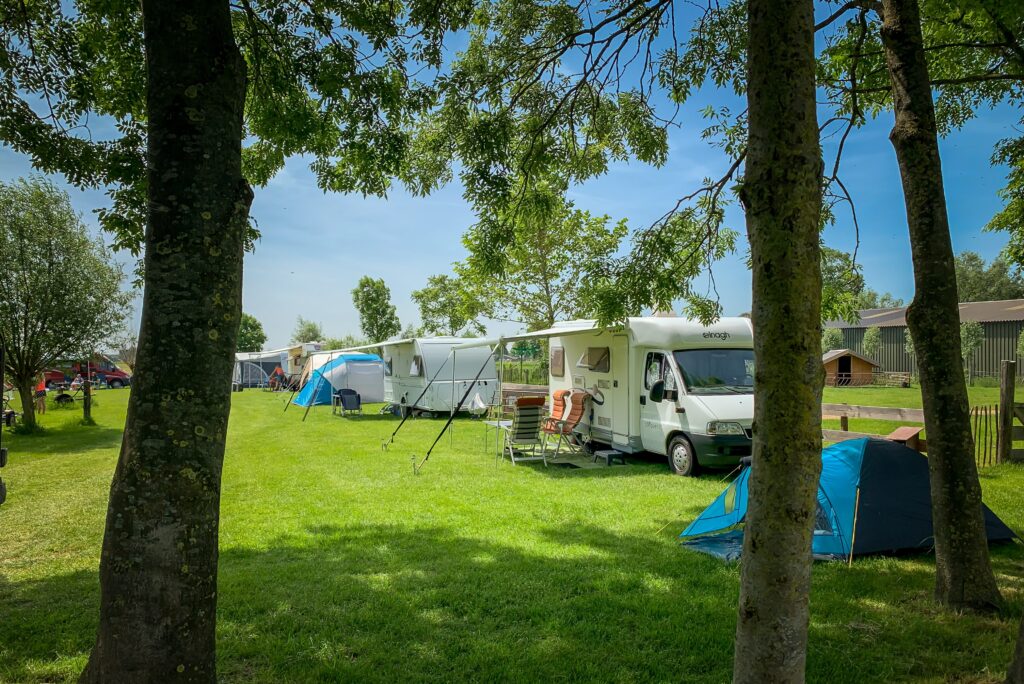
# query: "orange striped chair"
x,y
561,426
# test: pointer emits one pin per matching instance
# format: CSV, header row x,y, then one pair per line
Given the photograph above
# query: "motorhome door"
x,y
658,419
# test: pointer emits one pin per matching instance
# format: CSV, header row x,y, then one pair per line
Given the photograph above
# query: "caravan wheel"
x,y
681,458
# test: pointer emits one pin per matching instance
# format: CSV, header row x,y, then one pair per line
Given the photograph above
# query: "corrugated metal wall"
x,y
1000,343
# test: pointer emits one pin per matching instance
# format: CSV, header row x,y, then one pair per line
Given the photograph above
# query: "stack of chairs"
x,y
567,410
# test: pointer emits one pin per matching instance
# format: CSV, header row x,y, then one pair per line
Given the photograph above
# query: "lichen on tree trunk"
x,y
781,193
158,568
1016,673
964,578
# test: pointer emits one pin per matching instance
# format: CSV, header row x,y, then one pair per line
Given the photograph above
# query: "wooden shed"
x,y
845,367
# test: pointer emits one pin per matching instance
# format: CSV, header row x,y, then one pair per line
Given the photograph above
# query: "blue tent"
x,y
363,373
878,488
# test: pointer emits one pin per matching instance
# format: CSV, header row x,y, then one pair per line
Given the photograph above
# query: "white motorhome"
x,y
424,374
668,386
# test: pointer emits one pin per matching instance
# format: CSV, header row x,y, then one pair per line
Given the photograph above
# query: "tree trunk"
x,y
1016,673
781,194
158,569
27,392
87,402
964,578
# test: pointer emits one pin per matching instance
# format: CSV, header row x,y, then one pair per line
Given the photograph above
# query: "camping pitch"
x,y
874,497
363,373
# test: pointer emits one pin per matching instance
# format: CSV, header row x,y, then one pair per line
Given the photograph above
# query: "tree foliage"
x,y
377,317
975,61
62,292
85,59
127,347
306,331
344,342
841,285
251,336
557,265
972,335
549,93
831,338
526,349
870,299
976,282
872,342
447,307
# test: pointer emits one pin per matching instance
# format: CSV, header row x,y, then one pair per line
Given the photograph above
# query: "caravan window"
x,y
416,369
557,362
387,366
597,359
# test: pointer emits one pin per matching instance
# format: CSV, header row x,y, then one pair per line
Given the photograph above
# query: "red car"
x,y
100,368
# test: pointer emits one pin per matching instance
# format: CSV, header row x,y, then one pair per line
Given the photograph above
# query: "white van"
x,y
669,386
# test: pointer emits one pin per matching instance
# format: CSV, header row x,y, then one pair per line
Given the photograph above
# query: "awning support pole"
x,y
416,468
384,445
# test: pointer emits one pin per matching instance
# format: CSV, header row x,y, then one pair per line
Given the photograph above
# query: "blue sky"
x,y
316,246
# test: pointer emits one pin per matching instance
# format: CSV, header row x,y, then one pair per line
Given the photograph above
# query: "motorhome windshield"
x,y
717,371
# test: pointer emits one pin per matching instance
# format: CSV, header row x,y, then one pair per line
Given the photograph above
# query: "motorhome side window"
x,y
416,369
597,359
658,368
557,362
653,369
717,371
387,367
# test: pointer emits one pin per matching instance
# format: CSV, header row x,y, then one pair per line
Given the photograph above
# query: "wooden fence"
x,y
992,425
985,428
985,422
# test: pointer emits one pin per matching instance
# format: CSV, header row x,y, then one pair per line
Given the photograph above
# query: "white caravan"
x,y
665,385
424,375
253,369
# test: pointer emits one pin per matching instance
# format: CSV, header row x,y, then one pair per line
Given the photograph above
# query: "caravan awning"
x,y
573,328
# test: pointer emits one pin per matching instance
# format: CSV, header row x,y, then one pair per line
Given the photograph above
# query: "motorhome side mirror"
x,y
657,392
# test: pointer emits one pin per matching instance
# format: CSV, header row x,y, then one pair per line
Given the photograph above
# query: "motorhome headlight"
x,y
719,427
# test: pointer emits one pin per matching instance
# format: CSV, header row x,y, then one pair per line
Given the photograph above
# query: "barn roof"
x,y
836,353
981,312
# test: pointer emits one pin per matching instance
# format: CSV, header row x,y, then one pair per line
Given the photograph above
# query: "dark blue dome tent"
x,y
874,497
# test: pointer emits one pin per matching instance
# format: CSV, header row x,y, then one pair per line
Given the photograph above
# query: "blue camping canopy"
x,y
893,512
336,374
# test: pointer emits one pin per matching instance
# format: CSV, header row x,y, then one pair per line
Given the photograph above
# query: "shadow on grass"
x,y
69,437
399,603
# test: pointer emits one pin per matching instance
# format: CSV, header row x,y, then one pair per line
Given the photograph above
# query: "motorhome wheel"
x,y
681,457
115,384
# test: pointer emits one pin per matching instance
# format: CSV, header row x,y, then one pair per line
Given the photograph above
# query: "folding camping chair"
x,y
522,436
348,400
568,408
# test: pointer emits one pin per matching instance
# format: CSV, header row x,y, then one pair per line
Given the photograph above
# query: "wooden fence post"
x,y
1004,444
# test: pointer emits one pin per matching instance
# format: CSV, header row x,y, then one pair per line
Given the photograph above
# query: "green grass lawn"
x,y
905,397
339,564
